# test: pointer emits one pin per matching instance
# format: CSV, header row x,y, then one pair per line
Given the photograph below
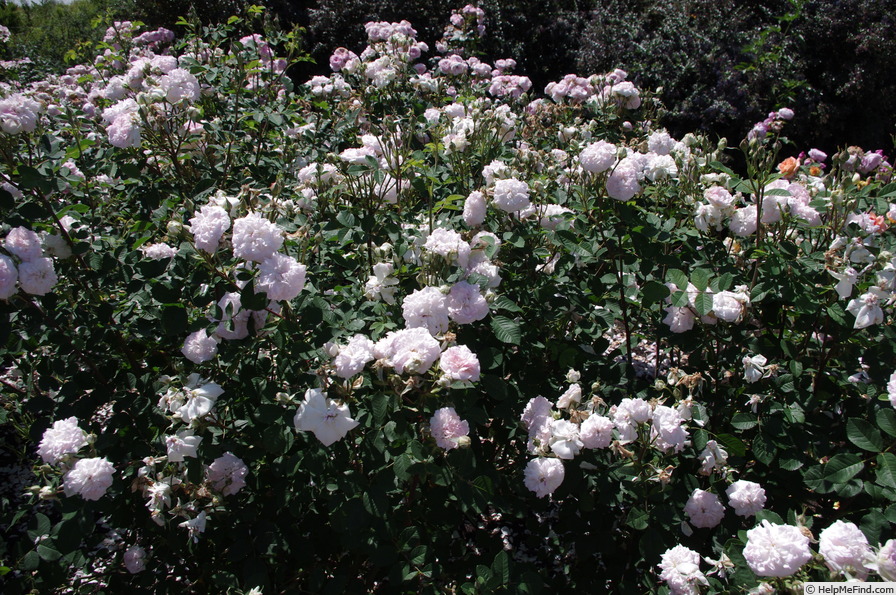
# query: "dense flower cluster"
x,y
397,258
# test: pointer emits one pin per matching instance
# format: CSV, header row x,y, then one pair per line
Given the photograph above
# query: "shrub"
x,y
412,326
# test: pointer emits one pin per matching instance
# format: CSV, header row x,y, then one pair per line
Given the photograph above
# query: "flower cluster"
x,y
593,426
35,273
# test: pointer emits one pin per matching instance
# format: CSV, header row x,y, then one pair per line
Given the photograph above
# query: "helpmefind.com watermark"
x,y
847,589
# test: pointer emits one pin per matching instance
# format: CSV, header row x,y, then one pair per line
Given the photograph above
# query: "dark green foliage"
x,y
849,54
694,53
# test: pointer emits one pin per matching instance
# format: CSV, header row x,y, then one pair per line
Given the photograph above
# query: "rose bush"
x,y
414,328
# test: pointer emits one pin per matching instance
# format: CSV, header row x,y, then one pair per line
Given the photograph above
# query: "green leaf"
x,y
47,553
724,282
886,421
505,303
31,178
718,166
864,435
700,279
886,469
838,315
732,444
770,516
744,421
501,568
703,303
680,299
837,471
506,330
30,562
763,449
677,278
638,519
38,526
653,293
873,525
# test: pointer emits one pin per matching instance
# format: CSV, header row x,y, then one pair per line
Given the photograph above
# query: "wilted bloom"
x,y
65,437
89,478
745,497
328,420
680,568
776,550
448,428
713,458
845,548
544,475
754,367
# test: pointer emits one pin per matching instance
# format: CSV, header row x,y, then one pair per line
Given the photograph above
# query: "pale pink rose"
x,y
704,509
448,428
459,363
543,476
89,478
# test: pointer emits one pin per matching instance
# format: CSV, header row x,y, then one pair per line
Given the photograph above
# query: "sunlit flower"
x,y
544,475
680,569
89,478
867,309
328,420
448,428
776,550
